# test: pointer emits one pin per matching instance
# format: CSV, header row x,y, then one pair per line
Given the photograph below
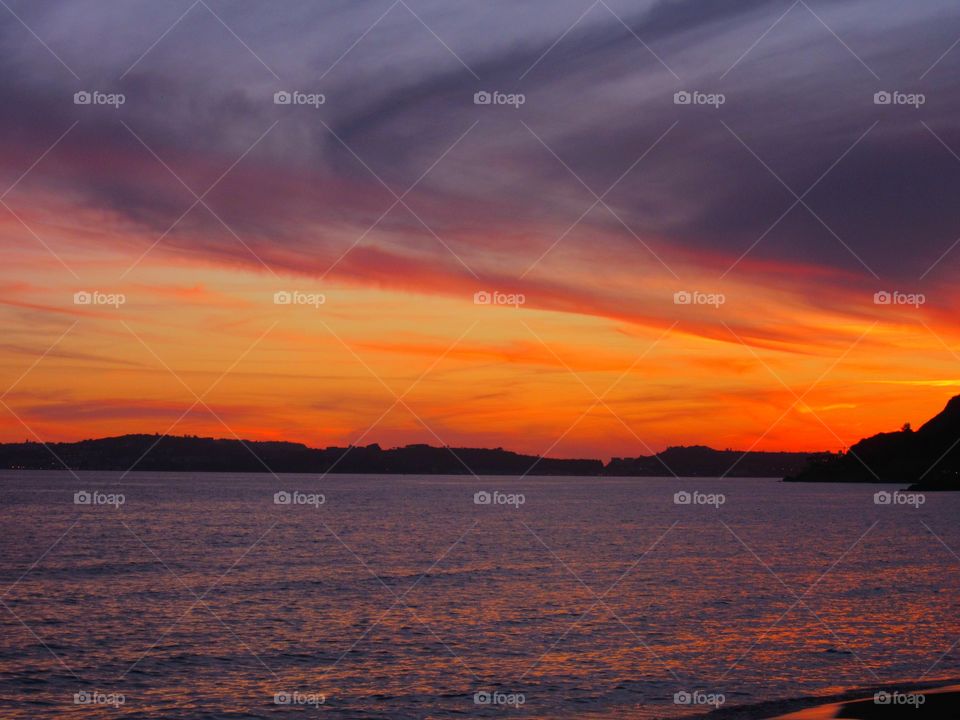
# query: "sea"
x,y
179,595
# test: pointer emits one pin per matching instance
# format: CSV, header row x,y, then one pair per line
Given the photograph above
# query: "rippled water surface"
x,y
399,597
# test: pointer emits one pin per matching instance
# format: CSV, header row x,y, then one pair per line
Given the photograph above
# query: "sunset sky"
x,y
398,198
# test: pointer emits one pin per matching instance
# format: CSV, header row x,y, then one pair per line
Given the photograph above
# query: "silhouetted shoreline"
x,y
195,454
929,457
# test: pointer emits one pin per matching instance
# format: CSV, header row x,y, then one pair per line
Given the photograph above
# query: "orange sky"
x,y
523,378
601,201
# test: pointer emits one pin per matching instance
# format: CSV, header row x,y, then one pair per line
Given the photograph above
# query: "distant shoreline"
x,y
160,453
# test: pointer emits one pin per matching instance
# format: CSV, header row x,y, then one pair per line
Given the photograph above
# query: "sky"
x,y
682,214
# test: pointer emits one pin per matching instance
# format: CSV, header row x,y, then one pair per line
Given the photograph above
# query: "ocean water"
x,y
201,596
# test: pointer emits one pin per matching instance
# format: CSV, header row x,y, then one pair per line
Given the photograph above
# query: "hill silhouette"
x,y
702,461
197,454
928,457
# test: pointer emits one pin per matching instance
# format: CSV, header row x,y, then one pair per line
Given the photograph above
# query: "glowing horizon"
x,y
603,202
